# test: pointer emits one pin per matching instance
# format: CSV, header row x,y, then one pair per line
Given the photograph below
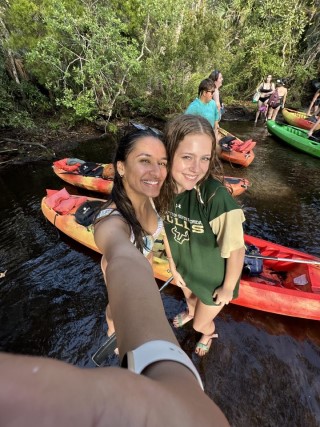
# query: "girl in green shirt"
x,y
204,235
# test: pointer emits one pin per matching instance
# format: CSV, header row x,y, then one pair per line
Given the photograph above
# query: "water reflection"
x,y
263,370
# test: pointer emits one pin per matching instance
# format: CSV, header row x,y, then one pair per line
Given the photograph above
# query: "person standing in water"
x,y
265,89
205,106
274,107
204,235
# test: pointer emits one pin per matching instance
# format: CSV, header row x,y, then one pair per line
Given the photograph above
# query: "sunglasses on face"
x,y
211,91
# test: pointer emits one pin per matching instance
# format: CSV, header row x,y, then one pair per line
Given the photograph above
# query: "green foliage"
x,y
12,112
115,57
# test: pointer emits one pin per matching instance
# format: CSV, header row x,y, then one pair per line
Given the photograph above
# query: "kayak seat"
x,y
270,277
298,278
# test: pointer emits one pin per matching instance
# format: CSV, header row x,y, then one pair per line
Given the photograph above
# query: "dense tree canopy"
x,y
91,58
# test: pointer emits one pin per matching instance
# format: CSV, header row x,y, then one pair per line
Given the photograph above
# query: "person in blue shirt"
x,y
205,106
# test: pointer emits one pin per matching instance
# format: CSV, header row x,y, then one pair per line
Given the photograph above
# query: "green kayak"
x,y
295,137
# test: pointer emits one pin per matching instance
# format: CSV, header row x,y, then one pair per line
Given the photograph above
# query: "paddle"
x,y
110,345
302,261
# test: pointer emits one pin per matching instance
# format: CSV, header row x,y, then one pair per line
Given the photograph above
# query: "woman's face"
x,y
191,161
145,168
269,78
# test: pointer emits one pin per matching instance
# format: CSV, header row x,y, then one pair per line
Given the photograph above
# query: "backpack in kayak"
x,y
227,142
91,169
252,266
86,213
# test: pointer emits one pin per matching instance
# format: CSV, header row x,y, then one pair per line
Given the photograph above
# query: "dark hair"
x,y
118,195
214,75
205,85
176,130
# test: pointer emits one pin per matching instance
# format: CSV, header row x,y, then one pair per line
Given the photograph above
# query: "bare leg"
x,y
203,322
184,317
270,111
275,113
109,318
258,112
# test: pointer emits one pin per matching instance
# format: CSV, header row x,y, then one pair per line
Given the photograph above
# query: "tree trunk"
x,y
12,66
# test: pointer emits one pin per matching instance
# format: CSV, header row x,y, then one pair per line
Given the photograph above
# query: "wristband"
x,y
156,351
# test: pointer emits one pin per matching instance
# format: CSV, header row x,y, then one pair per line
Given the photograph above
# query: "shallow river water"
x,y
263,370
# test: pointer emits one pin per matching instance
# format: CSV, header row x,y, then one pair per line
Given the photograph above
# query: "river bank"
x,y
19,146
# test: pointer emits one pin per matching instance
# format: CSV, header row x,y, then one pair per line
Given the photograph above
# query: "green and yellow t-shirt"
x,y
203,227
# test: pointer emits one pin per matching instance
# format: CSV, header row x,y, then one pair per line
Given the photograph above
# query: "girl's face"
x,y
145,168
191,161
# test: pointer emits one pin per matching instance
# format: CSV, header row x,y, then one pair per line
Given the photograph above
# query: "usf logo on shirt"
x,y
180,237
183,227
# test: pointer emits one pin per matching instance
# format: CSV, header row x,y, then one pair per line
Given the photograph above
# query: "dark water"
x,y
263,370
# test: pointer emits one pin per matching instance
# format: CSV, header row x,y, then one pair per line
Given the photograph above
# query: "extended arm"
x,y
284,98
314,127
316,95
131,286
38,391
216,98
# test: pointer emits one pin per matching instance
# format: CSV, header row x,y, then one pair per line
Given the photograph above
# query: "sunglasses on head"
x,y
141,126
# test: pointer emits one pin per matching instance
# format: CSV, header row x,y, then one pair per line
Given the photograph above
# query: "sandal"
x,y
181,319
204,348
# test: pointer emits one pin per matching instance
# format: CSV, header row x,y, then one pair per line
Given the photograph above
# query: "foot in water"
x,y
181,319
204,344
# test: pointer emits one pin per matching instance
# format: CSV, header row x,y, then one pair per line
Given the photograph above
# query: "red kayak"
x,y
103,181
299,119
284,286
234,150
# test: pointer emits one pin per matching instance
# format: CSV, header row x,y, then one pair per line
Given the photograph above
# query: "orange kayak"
x,y
104,185
284,287
298,119
74,177
239,152
237,185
